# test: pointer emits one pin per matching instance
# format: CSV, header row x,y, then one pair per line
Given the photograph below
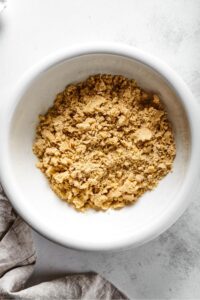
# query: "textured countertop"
x,y
168,267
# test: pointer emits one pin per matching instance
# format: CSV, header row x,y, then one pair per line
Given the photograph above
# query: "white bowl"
x,y
28,189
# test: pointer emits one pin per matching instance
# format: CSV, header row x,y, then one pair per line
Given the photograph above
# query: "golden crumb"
x,y
104,142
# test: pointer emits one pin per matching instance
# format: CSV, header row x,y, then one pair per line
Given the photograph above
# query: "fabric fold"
x,y
17,260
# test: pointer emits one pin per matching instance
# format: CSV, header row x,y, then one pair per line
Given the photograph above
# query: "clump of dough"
x,y
104,142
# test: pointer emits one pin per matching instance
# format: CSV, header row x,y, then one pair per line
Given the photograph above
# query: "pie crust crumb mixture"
x,y
104,143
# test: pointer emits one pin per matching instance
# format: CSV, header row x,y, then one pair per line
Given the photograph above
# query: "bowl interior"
x,y
37,202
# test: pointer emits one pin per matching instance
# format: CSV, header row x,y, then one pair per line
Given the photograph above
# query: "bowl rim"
x,y
191,108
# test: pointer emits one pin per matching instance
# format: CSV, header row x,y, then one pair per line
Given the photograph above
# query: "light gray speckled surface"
x,y
168,267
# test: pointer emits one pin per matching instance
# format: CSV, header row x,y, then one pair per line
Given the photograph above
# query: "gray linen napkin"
x,y
17,260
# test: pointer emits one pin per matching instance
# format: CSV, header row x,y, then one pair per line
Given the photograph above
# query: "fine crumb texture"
x,y
104,142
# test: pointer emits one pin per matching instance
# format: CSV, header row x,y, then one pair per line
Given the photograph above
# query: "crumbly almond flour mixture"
x,y
104,143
